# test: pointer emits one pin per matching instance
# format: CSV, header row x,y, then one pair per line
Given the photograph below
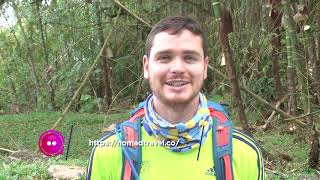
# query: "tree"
x,y
274,24
225,27
28,42
48,68
299,65
104,88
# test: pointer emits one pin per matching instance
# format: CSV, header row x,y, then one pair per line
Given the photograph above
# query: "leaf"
x,y
306,27
85,97
223,60
299,17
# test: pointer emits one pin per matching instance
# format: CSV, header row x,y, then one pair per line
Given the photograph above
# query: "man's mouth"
x,y
176,83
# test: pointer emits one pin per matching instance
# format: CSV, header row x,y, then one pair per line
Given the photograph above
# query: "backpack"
x,y
222,129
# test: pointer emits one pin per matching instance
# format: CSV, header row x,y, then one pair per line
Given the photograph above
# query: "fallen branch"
x,y
276,173
7,150
267,122
302,116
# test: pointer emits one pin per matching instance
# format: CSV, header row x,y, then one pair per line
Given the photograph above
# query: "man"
x,y
178,115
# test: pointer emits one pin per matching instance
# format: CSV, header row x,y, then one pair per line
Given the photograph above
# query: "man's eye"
x,y
163,58
190,58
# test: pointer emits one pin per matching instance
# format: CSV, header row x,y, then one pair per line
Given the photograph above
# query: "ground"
x,y
21,132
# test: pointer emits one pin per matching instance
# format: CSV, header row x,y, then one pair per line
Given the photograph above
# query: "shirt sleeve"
x,y
247,158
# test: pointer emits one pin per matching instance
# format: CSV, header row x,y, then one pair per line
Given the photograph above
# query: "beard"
x,y
176,100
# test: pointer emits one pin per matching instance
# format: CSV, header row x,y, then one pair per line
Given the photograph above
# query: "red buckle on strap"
x,y
220,116
139,113
223,135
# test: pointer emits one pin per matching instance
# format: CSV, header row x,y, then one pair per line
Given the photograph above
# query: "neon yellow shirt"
x,y
160,163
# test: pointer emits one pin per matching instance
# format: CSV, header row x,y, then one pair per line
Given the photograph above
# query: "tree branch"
x,y
302,116
131,13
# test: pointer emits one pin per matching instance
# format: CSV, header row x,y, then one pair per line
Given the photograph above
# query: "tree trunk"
x,y
309,26
48,68
291,73
314,149
299,65
15,108
274,23
105,89
314,65
181,7
314,62
317,36
292,103
225,27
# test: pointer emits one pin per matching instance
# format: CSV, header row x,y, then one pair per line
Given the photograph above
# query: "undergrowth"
x,y
23,131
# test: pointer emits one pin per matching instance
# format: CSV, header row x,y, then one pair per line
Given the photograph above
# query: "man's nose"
x,y
177,65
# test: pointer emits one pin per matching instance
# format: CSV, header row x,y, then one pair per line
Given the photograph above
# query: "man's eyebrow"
x,y
191,52
184,52
164,52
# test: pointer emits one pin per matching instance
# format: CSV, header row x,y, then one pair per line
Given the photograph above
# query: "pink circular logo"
x,y
51,143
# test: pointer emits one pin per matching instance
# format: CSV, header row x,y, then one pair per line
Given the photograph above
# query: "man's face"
x,y
176,67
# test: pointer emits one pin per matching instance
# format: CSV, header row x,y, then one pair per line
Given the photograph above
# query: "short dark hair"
x,y
175,24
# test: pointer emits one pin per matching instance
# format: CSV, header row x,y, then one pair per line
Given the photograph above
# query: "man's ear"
x,y
206,61
145,67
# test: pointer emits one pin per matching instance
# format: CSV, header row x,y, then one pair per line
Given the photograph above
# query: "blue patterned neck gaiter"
x,y
185,135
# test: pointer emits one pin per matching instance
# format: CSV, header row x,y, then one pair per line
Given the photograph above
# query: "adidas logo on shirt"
x,y
210,172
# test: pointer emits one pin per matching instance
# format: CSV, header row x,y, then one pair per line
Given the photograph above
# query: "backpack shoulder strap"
x,y
221,141
129,134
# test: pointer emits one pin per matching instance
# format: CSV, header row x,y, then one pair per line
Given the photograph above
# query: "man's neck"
x,y
176,113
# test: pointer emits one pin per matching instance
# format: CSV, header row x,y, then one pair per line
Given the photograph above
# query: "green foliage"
x,y
72,40
280,143
263,86
88,127
30,126
89,103
34,169
128,70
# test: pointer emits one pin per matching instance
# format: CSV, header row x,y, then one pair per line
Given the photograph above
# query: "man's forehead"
x,y
165,42
172,34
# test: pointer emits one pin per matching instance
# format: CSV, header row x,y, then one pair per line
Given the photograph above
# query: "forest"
x,y
78,64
